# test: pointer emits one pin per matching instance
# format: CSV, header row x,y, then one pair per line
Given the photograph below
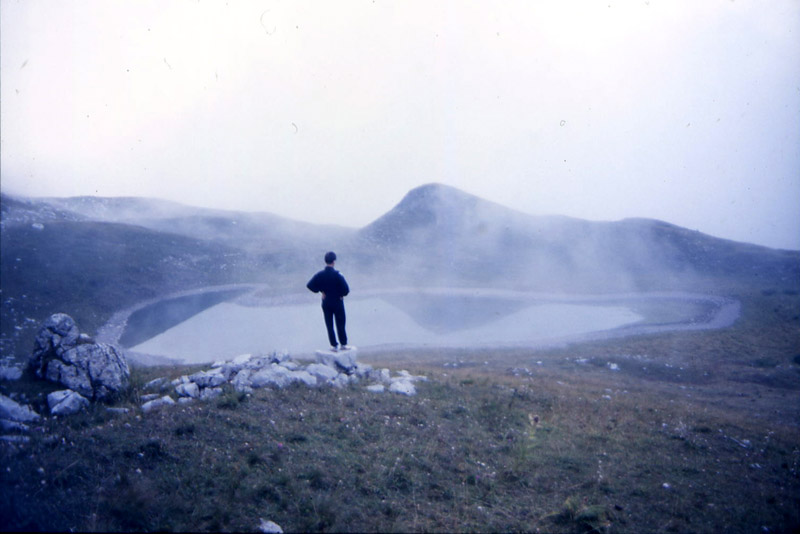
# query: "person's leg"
x,y
328,314
340,321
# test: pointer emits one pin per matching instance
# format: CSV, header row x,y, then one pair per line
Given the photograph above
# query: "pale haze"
x,y
329,112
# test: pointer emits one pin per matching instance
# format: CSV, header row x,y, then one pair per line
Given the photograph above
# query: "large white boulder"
x,y
63,355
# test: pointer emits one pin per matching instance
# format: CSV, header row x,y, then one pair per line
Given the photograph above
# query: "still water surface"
x,y
228,329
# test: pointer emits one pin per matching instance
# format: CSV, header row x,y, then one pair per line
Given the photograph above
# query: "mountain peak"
x,y
436,192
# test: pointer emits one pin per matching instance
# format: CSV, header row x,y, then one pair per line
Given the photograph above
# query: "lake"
x,y
382,321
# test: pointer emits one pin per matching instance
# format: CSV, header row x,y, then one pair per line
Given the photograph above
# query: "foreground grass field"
x,y
689,432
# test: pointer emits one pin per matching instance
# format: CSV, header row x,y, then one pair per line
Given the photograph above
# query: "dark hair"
x,y
330,257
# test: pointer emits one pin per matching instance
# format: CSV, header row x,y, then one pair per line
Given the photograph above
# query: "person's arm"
x,y
345,287
313,284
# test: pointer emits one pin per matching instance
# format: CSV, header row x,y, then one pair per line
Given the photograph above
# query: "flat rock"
x,y
404,387
66,402
166,400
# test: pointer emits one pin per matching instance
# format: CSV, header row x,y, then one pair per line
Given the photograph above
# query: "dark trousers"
x,y
331,312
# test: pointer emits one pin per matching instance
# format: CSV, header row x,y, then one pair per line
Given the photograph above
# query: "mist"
x,y
685,112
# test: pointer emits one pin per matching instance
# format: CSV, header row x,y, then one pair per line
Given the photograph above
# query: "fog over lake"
x,y
375,322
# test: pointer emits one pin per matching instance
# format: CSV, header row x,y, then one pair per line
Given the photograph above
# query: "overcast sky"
x,y
685,111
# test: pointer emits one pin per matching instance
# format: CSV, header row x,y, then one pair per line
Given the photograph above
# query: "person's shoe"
x,y
334,348
345,347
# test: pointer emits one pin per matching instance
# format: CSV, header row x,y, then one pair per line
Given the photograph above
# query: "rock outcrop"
x,y
248,372
64,355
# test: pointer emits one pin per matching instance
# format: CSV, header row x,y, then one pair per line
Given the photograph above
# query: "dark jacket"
x,y
331,282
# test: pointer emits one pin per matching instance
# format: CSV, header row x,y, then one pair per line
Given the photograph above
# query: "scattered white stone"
x,y
322,372
13,411
341,381
404,387
280,357
188,390
292,366
666,485
185,400
15,439
376,388
242,359
274,375
149,397
181,380
210,393
13,425
270,527
241,382
156,383
10,372
304,377
156,403
209,379
343,360
386,376
613,366
66,402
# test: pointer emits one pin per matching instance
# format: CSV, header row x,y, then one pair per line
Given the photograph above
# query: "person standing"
x,y
333,287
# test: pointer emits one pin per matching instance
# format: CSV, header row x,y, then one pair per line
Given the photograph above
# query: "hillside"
x,y
92,269
253,232
448,235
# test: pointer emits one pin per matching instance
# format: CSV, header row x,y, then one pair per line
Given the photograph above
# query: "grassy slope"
x,y
90,270
573,446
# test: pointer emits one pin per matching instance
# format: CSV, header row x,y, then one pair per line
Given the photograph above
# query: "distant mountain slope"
x,y
19,211
446,235
255,232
